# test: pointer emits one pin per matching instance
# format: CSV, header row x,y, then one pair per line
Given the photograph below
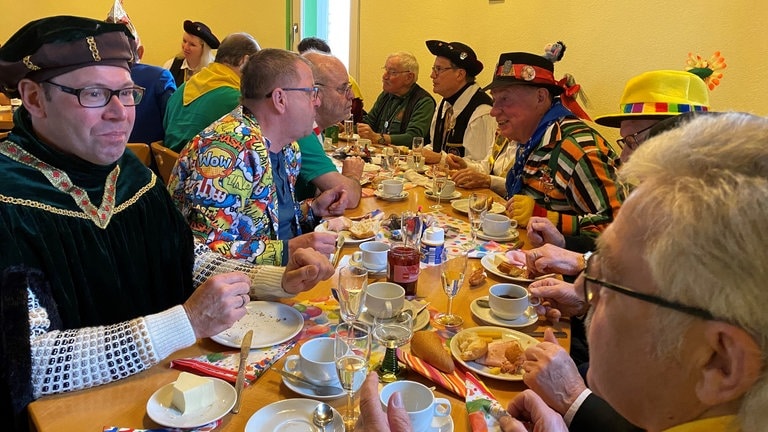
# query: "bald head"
x,y
235,47
333,80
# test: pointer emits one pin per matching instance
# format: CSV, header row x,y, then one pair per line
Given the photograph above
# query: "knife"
x,y
337,252
558,334
245,349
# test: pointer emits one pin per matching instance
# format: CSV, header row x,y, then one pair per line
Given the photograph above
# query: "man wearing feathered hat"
x,y
462,128
563,169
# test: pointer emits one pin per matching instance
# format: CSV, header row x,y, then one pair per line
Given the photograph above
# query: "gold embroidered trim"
x,y
28,63
94,49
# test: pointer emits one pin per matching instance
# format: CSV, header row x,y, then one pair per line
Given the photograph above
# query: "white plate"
x,y
348,239
272,323
303,391
462,206
161,411
400,197
290,415
486,316
487,262
441,424
422,319
429,194
524,339
512,234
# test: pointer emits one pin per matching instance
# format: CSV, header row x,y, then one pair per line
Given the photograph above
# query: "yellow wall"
x,y
608,41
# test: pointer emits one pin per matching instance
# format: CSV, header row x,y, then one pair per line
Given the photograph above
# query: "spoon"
x,y
320,390
322,415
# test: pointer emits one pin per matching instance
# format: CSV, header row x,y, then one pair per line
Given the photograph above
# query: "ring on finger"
x,y
245,299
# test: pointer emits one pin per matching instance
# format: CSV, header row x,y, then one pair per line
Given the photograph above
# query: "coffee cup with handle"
x,y
510,301
391,188
497,225
384,299
448,189
419,401
372,255
315,362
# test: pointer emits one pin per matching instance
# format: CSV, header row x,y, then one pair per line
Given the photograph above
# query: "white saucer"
x,y
487,317
162,412
304,391
370,271
441,424
290,415
431,195
512,234
421,320
400,197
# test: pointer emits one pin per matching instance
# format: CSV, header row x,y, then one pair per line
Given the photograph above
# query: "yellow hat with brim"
x,y
658,95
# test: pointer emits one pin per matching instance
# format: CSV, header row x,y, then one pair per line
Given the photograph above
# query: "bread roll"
x,y
364,228
428,346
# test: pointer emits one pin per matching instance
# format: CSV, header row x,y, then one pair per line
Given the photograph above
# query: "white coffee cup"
x,y
391,187
448,189
497,224
372,255
384,299
315,362
509,301
419,401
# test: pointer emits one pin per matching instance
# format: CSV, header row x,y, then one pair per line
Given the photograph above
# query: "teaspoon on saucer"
x,y
320,390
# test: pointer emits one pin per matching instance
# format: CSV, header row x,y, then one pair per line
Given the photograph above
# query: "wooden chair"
x,y
142,151
165,159
4,135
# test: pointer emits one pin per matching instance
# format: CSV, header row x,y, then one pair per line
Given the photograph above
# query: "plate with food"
x,y
462,206
354,231
508,265
197,402
493,352
272,323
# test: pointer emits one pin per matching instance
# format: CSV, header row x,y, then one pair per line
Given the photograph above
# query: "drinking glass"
x,y
349,129
452,272
439,179
352,351
417,148
392,157
411,226
478,205
393,332
352,283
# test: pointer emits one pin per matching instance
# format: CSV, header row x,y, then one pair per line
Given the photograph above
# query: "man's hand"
x,y
455,162
218,303
353,167
541,230
520,208
304,270
365,131
372,417
552,374
553,259
323,242
530,410
468,178
431,157
557,298
331,202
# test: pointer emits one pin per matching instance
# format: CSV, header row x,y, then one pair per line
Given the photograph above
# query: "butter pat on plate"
x,y
192,393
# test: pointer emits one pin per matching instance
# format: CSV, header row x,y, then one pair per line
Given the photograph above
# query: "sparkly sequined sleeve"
x,y
71,360
266,280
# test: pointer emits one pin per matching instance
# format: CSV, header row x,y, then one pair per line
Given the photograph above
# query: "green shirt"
x,y
314,163
390,111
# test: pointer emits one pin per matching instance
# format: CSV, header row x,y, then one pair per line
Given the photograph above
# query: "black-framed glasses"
x,y
592,284
438,70
312,91
97,97
632,141
343,90
394,72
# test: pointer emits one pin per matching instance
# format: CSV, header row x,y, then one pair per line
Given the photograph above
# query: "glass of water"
x,y
477,206
417,147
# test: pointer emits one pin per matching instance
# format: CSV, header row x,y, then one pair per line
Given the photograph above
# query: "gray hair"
x,y
703,199
268,69
407,60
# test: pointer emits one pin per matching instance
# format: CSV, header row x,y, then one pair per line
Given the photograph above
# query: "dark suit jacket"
x,y
596,415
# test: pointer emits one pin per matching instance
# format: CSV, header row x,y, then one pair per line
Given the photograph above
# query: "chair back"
x,y
4,135
142,151
165,159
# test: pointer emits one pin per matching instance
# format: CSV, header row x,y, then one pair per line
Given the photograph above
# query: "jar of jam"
x,y
403,267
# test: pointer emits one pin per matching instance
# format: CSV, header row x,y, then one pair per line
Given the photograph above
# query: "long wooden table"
x,y
6,120
123,403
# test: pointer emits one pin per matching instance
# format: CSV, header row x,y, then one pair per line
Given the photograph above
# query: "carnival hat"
x,y
657,95
459,54
521,68
196,28
52,46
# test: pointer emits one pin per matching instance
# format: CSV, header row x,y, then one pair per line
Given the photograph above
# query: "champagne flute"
x,y
477,206
352,283
352,351
417,148
439,178
392,332
452,272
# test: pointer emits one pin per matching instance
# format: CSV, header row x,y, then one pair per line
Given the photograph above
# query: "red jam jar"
x,y
403,267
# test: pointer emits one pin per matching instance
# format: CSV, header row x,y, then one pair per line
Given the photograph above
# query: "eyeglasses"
x,y
344,90
437,70
632,141
97,97
394,72
591,291
311,90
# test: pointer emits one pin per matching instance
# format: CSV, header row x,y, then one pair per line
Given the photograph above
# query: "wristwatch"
x,y
381,139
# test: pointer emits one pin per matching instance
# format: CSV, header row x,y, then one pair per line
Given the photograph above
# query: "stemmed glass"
x,y
392,332
439,178
452,271
478,205
417,148
352,351
352,283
